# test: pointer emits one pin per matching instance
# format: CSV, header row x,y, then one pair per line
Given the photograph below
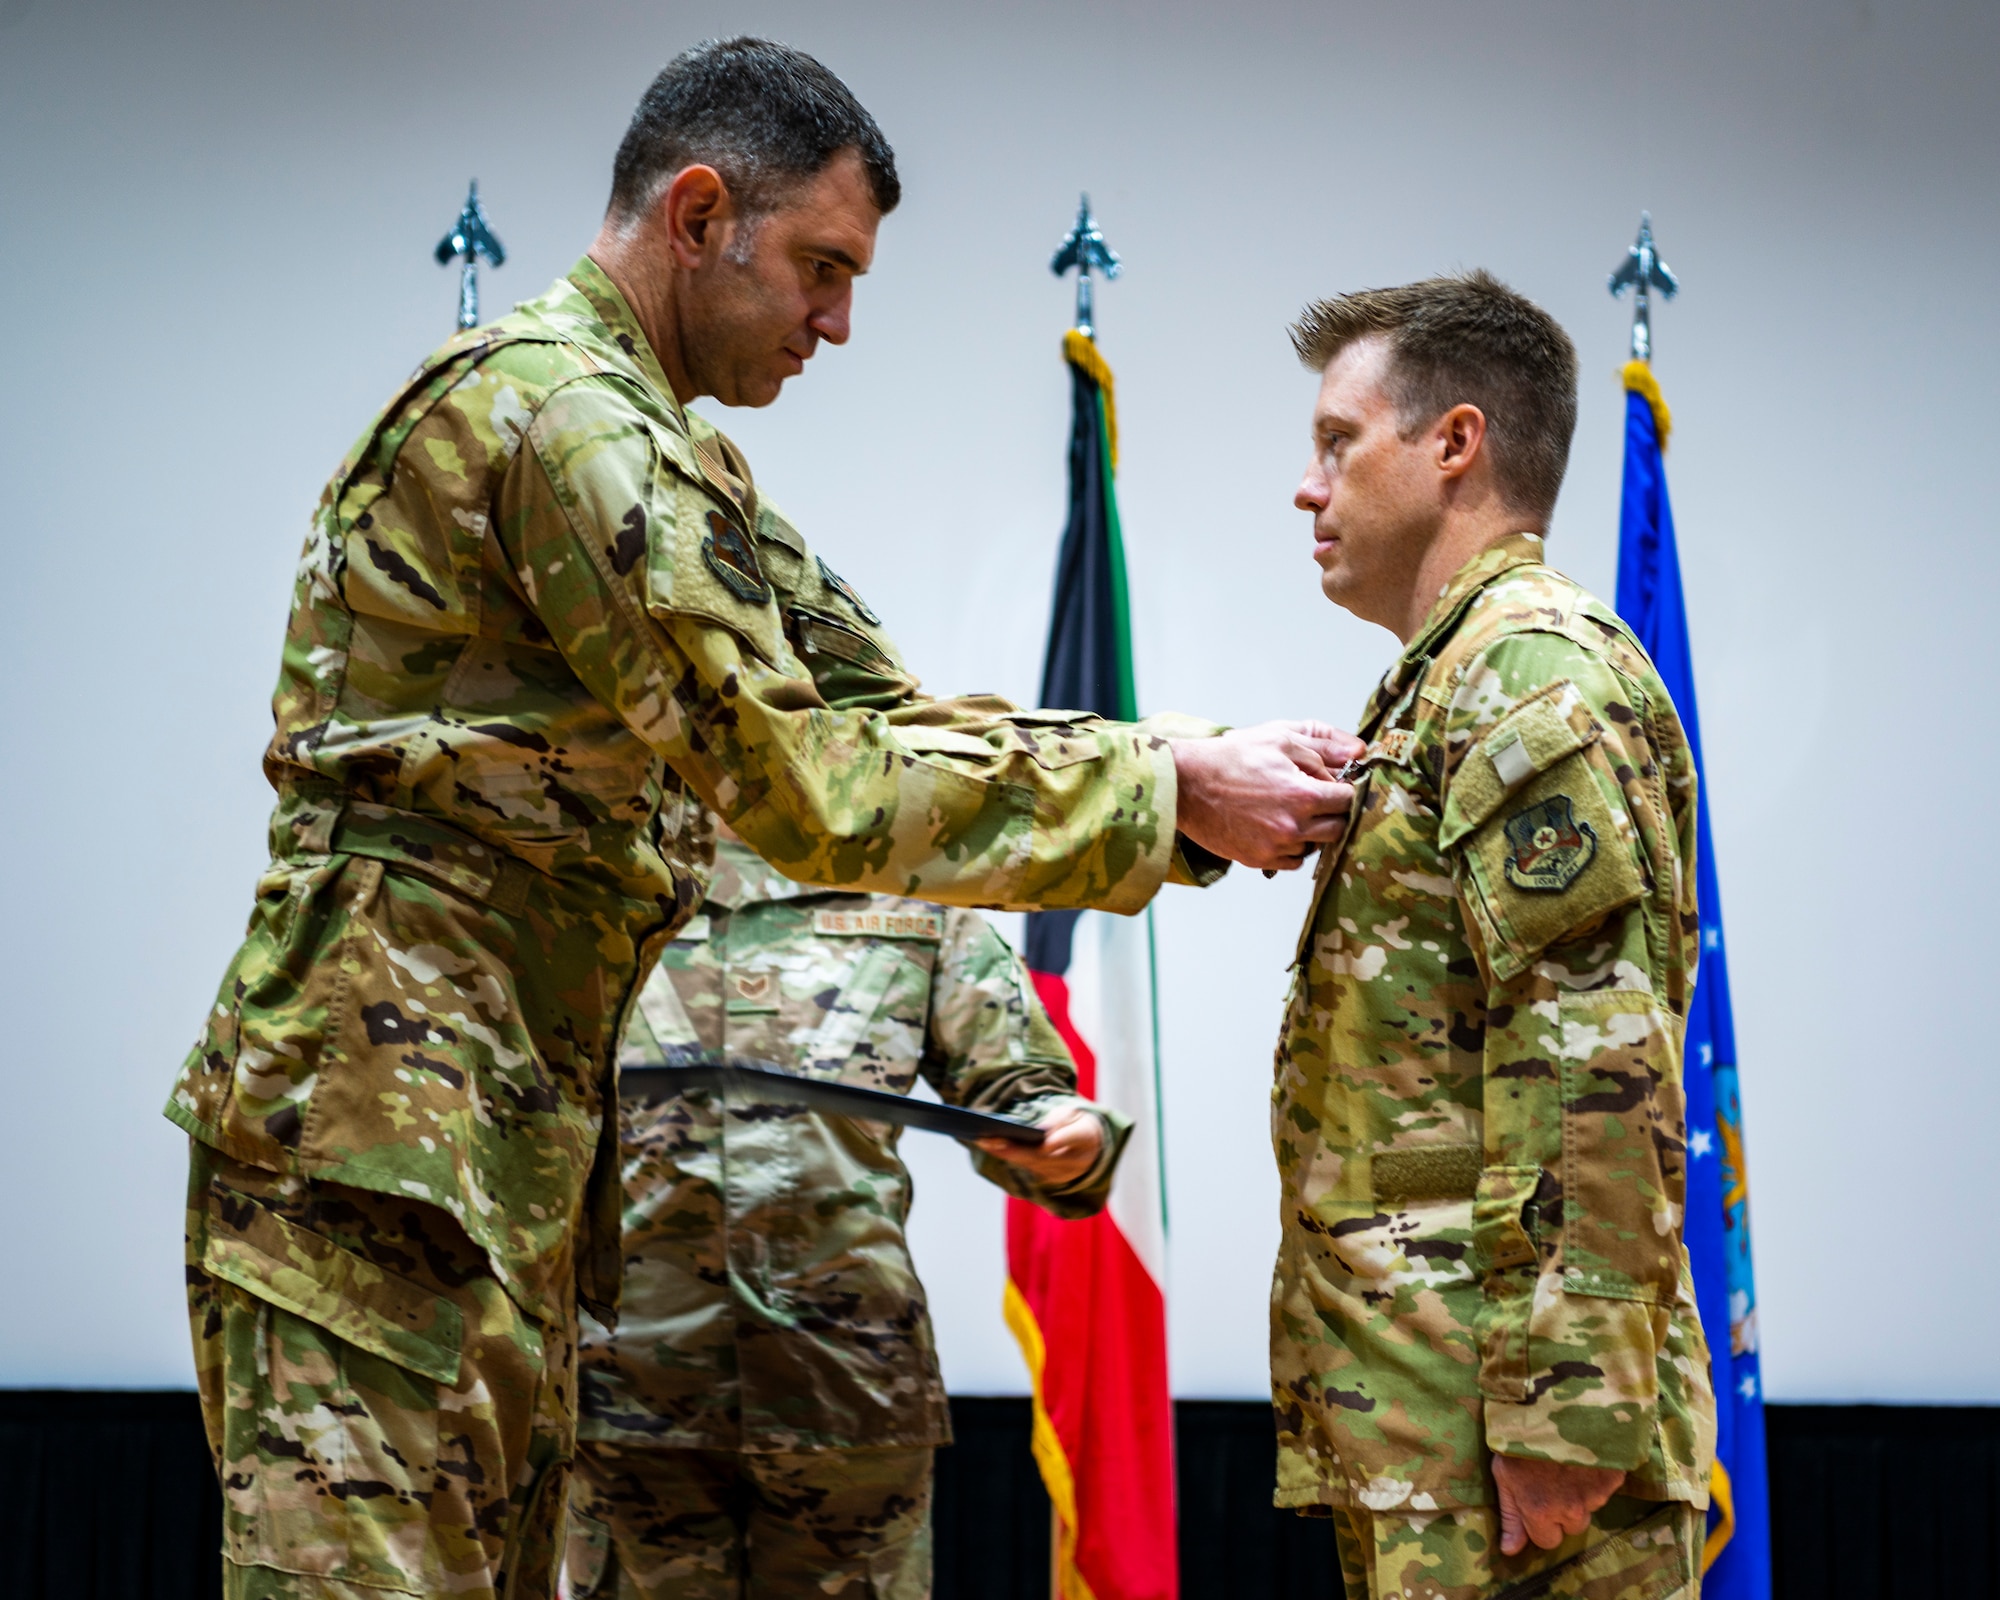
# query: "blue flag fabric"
x,y
1718,1221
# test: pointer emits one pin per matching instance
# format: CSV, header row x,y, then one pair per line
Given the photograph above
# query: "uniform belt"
x,y
418,843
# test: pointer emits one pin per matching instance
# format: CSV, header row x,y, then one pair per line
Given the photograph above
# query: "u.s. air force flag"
x,y
1738,1555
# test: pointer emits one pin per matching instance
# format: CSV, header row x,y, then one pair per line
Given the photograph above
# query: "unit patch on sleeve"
x,y
845,590
728,552
879,924
1549,845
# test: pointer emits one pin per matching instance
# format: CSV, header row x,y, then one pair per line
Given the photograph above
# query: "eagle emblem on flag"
x,y
1550,846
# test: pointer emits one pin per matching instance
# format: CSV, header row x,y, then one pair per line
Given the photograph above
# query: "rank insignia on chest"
x,y
845,590
755,988
1550,847
727,549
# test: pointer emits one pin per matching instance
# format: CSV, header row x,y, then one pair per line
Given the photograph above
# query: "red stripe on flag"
x,y
1103,1384
1053,992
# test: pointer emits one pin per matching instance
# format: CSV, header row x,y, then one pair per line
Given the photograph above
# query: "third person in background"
x,y
763,1420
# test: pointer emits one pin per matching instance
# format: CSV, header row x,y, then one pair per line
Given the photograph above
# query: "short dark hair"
x,y
765,116
1466,340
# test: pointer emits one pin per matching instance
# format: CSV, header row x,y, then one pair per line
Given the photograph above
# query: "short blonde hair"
x,y
1466,340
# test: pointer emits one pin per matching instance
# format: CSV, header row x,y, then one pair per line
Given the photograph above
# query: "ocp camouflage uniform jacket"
x,y
542,617
770,1301
1477,1110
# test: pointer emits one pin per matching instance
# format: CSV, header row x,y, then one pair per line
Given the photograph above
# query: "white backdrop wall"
x,y
214,224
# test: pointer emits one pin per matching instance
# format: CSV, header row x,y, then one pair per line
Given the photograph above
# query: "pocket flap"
x,y
922,741
701,563
310,1276
1529,740
1499,1220
822,636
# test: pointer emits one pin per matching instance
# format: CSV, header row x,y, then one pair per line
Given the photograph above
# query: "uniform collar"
x,y
742,877
616,338
611,333
1515,550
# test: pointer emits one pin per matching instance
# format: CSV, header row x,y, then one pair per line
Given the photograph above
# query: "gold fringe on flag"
x,y
1047,1447
1639,379
1080,350
1724,1499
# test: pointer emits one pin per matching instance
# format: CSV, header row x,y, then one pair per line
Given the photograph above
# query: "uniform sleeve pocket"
x,y
310,1276
1624,1142
1505,1252
1499,1217
927,741
1050,743
1558,852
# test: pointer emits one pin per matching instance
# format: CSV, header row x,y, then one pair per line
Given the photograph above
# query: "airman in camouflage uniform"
x,y
1477,1109
763,1419
543,620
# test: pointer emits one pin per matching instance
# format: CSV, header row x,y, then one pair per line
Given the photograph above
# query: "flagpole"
x,y
470,238
1082,249
1736,1556
1086,1298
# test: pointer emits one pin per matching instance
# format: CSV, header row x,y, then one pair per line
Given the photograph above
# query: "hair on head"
x,y
767,117
1466,340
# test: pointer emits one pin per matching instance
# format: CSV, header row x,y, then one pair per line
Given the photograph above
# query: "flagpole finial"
x,y
1642,270
470,238
1083,248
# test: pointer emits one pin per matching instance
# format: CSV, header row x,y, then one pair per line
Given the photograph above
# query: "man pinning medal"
x,y
544,623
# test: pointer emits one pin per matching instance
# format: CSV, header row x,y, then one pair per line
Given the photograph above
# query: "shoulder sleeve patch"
x,y
700,562
734,560
1559,852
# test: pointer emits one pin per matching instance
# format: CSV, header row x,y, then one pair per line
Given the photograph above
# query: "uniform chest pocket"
x,y
1546,843
854,1010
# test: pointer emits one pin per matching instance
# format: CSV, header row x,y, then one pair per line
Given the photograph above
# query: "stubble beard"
x,y
1374,587
724,345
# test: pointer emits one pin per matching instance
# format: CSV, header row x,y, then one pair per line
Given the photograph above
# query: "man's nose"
x,y
1311,493
832,322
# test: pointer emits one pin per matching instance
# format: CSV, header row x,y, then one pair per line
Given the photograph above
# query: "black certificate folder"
x,y
752,1081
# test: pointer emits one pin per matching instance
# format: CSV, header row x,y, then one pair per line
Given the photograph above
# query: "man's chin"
x,y
754,394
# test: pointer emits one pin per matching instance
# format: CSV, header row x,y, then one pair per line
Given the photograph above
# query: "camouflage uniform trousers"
x,y
383,1417
649,1524
1633,1550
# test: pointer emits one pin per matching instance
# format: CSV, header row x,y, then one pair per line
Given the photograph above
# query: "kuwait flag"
x,y
1085,1298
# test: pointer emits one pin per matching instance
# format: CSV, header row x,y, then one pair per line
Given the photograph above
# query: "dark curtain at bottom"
x,y
108,1495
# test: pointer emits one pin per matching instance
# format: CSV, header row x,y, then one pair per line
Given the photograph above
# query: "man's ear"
x,y
691,210
1459,435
